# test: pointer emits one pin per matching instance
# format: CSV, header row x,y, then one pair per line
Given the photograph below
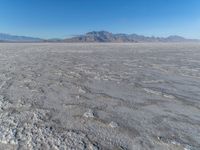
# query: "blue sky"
x,y
64,18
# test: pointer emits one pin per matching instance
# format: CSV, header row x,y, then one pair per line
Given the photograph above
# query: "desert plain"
x,y
91,96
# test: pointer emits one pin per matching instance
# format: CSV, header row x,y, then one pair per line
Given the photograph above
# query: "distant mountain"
x,y
104,36
15,38
97,37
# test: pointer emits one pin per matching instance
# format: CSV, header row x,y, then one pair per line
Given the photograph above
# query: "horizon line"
x,y
82,34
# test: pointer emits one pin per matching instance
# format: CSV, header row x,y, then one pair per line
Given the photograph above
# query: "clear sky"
x,y
64,18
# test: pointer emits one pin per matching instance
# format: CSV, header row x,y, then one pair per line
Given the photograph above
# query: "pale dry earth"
x,y
100,96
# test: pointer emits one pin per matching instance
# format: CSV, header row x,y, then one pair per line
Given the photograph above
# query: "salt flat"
x,y
100,96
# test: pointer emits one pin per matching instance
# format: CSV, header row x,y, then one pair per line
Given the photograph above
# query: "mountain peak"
x,y
105,36
98,33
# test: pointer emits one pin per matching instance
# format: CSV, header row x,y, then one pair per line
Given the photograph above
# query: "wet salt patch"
x,y
89,114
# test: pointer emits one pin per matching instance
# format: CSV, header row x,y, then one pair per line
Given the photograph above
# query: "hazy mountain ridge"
x,y
104,36
14,38
98,37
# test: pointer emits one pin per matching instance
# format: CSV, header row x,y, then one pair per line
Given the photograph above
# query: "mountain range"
x,y
99,37
14,38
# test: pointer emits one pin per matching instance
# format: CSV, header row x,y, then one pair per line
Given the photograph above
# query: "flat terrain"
x,y
100,96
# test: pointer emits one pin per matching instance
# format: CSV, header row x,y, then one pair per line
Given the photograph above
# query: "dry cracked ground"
x,y
100,96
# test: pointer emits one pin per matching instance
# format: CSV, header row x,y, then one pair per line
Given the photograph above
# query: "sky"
x,y
65,18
